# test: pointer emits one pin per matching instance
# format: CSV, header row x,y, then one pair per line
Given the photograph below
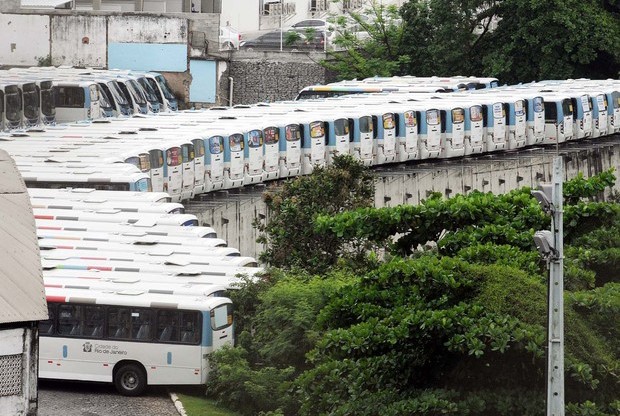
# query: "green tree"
x,y
289,235
367,44
554,40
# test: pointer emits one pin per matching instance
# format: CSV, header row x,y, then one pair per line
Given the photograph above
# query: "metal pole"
x,y
280,30
555,353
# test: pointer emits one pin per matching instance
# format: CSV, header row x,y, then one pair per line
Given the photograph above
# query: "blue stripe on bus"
x,y
64,351
169,358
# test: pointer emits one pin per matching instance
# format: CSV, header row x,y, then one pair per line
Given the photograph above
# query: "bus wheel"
x,y
130,380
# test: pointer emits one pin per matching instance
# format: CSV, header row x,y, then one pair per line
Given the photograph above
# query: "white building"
x,y
22,295
244,15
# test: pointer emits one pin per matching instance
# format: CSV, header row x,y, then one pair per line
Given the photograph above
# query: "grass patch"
x,y
201,406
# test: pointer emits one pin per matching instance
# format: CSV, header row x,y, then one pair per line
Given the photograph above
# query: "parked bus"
x,y
116,216
11,106
137,229
143,247
165,287
94,205
89,194
140,182
131,338
78,100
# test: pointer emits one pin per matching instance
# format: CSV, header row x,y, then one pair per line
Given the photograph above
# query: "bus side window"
x,y
118,322
141,324
444,117
397,117
190,327
351,128
48,327
221,317
375,127
93,321
574,102
302,132
69,322
551,113
167,326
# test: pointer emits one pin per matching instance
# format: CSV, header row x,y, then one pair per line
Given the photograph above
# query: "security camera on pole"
x,y
550,245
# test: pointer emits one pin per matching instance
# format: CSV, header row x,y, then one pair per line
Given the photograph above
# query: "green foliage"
x,y
289,233
580,187
446,37
234,384
555,39
460,329
44,60
367,44
514,40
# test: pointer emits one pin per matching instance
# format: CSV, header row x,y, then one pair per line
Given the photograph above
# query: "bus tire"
x,y
130,380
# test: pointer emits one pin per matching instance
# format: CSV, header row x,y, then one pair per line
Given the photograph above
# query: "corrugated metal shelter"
x,y
22,295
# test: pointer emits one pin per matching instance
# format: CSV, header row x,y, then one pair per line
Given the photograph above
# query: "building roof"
x,y
22,294
42,4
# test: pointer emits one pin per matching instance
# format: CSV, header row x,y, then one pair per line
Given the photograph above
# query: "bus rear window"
x,y
70,97
272,135
551,112
458,115
221,317
173,156
432,117
157,159
293,132
216,145
236,142
475,113
317,129
388,121
538,105
365,124
255,138
199,147
341,127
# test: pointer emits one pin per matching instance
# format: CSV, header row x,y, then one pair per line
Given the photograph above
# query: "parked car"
x,y
272,41
316,23
230,38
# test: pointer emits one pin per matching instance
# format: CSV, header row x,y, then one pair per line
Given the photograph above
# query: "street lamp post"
x,y
550,245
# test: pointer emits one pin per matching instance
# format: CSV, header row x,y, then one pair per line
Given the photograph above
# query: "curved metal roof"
x,y
22,294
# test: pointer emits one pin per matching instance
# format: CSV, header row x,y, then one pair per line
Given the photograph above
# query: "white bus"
x,y
229,280
89,194
138,229
115,216
129,257
132,238
140,182
131,338
94,205
167,287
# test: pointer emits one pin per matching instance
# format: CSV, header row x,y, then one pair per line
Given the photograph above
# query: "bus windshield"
x,y
31,101
157,158
148,90
165,88
136,92
47,99
117,93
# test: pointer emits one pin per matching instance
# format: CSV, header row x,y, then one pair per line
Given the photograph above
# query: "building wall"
x,y
18,367
272,76
79,40
24,39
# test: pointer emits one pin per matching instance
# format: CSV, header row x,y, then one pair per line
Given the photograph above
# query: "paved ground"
x,y
60,398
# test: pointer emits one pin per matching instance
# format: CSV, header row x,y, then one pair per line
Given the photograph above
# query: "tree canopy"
x,y
447,314
513,40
